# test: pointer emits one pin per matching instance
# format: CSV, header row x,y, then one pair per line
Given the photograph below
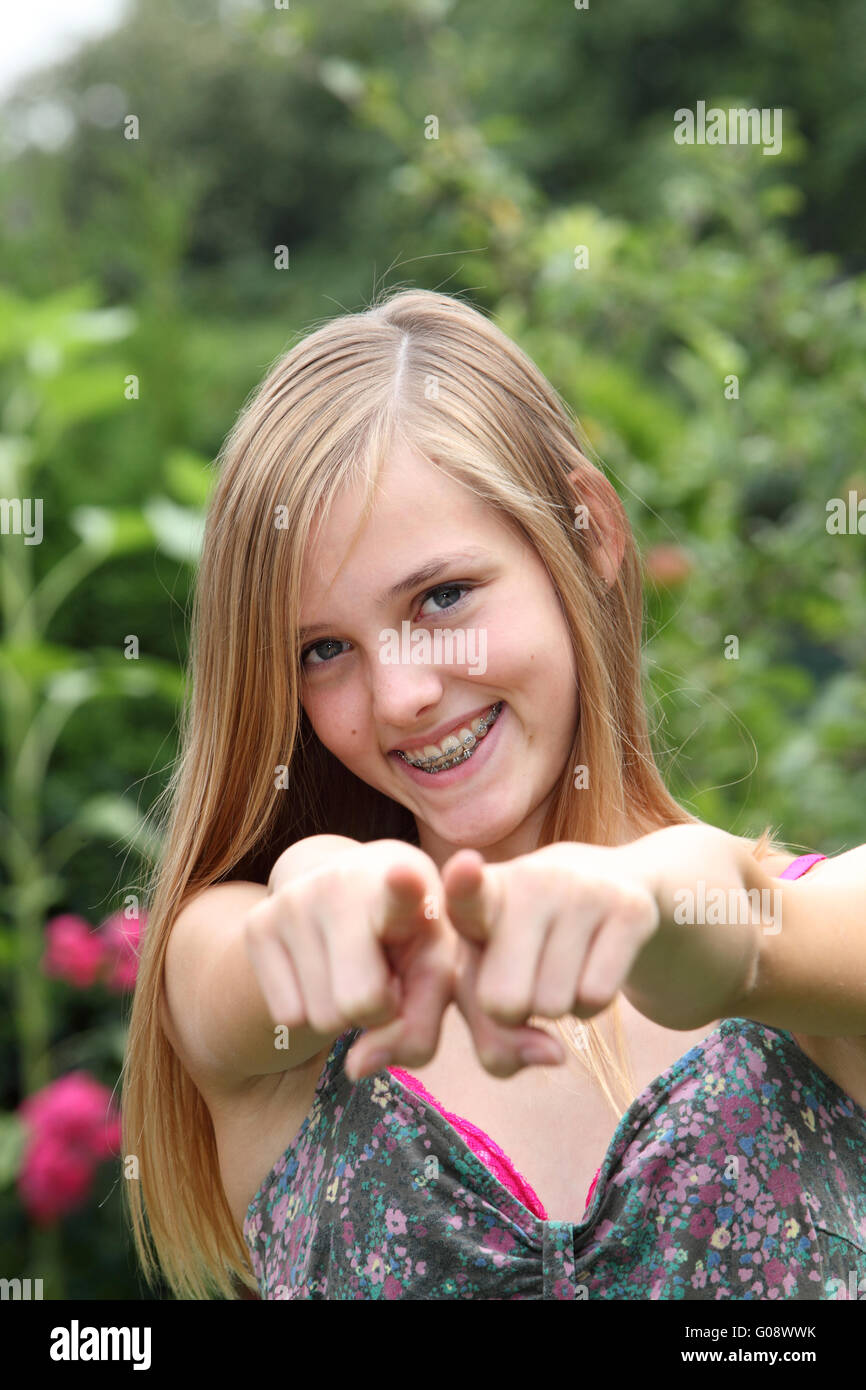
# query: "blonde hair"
x,y
326,416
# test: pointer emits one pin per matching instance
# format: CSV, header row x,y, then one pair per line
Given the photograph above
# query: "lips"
x,y
418,745
460,748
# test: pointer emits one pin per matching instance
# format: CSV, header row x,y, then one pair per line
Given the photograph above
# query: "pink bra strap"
x,y
798,867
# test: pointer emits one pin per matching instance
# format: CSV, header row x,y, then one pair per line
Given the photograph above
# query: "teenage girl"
x,y
419,1011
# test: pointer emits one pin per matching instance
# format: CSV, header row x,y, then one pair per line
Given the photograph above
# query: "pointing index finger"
x,y
470,895
405,894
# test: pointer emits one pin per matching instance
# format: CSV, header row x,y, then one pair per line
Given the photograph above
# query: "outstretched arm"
x,y
801,966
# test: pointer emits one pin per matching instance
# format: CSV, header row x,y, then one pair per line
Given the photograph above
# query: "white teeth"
x,y
455,747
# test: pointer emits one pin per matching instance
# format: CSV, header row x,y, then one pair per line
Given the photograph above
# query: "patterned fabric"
x,y
479,1141
740,1172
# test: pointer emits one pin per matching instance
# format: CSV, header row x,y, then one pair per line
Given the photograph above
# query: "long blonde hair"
x,y
429,370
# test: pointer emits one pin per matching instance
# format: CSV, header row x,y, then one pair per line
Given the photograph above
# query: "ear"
x,y
604,522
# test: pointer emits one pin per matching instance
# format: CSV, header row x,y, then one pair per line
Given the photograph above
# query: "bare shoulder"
x,y
212,1008
848,867
841,1058
775,864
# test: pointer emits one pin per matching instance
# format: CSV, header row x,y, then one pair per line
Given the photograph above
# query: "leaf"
x,y
342,79
179,530
103,325
13,1137
188,477
83,393
37,661
115,676
16,453
114,818
117,532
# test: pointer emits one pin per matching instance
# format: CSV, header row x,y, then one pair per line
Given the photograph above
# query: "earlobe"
x,y
602,518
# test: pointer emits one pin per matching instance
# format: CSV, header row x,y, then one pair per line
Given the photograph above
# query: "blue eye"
x,y
325,642
333,642
446,588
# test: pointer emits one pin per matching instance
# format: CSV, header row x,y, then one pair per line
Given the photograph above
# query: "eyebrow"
x,y
420,576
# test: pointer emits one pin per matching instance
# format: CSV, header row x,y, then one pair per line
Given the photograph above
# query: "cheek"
x,y
335,723
322,715
520,649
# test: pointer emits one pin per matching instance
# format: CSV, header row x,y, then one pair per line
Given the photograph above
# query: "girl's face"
x,y
365,695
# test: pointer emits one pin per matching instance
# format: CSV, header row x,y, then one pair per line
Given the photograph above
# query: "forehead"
x,y
417,512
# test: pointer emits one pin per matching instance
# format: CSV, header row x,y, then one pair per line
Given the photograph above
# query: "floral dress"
x,y
738,1173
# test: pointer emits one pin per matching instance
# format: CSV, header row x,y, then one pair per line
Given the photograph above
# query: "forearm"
x,y
795,958
699,963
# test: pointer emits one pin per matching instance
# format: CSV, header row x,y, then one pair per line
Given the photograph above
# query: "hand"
x,y
357,946
549,933
501,1048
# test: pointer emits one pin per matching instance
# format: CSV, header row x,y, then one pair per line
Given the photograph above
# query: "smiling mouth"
x,y
460,752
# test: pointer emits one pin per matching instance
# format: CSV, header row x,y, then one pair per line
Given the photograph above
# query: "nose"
x,y
404,697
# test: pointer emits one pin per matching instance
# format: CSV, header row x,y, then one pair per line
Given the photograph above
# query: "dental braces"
x,y
459,756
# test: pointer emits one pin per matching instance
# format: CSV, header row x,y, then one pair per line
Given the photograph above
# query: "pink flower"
x,y
72,1126
375,1267
395,1221
774,1271
668,565
77,1109
702,1223
121,937
74,952
500,1241
784,1185
53,1180
740,1115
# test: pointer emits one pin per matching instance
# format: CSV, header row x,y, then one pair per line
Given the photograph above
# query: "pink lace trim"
x,y
491,1155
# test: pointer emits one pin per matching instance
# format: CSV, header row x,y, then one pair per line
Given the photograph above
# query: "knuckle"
x,y
256,926
325,1019
637,904
553,1001
283,896
336,875
507,1008
364,1002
